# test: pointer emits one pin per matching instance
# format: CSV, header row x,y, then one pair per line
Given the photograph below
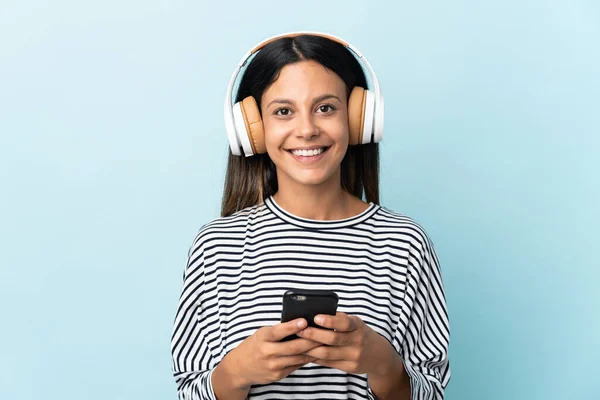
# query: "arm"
x,y
194,369
422,335
415,365
423,344
225,384
391,382
260,358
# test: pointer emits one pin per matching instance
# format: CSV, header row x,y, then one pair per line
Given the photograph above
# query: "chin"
x,y
312,180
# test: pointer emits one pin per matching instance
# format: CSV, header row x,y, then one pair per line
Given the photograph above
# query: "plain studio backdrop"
x,y
112,157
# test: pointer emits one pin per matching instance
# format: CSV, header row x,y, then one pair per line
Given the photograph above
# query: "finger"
x,y
288,348
292,368
296,346
341,322
346,366
325,336
277,332
329,353
288,361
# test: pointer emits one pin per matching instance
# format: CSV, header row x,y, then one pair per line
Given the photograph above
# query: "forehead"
x,y
305,79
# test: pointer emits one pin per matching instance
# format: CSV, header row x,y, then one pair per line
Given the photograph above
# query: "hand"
x,y
353,347
261,358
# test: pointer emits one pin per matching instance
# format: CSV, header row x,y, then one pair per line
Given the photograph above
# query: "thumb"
x,y
285,329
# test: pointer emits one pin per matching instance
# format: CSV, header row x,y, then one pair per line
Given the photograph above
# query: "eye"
x,y
283,112
326,108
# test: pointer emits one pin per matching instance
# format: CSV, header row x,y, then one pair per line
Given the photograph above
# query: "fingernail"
x,y
301,323
319,320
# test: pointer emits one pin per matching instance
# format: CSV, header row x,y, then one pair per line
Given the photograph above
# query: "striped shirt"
x,y
382,265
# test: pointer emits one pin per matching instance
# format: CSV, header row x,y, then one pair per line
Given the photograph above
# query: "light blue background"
x,y
113,146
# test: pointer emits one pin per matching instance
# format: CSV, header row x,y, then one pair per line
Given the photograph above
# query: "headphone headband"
x,y
229,111
293,35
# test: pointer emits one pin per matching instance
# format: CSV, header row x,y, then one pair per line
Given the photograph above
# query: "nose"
x,y
306,126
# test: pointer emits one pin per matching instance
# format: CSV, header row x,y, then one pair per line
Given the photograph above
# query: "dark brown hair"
x,y
249,180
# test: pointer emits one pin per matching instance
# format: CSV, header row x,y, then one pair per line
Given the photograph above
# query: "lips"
x,y
308,152
307,157
309,147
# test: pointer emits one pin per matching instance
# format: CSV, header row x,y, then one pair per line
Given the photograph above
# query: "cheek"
x,y
339,128
344,137
274,135
341,134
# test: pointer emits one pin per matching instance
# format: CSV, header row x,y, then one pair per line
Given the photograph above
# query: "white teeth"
x,y
308,153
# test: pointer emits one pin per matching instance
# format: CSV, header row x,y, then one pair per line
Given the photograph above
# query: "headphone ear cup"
x,y
369,119
356,114
254,125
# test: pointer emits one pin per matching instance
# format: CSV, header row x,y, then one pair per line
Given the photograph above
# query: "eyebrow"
x,y
316,100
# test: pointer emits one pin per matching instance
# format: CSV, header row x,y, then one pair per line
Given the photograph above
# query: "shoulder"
x,y
420,248
402,226
222,231
230,226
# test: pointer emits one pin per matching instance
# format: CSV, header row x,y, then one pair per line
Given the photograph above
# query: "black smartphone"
x,y
303,303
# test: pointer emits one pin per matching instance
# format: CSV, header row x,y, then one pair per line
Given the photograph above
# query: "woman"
x,y
293,216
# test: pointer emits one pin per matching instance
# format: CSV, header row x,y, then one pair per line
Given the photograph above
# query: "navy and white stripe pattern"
x,y
381,264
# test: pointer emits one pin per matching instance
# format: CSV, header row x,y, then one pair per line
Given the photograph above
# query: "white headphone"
x,y
244,124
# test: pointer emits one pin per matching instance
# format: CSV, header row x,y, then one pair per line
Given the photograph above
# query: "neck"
x,y
320,202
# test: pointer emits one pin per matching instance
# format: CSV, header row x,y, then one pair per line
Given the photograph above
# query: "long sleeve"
x,y
423,334
193,363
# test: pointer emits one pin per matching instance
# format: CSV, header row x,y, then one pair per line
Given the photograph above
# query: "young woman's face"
x,y
305,116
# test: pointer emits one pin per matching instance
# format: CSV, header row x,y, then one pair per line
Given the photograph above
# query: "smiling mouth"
x,y
309,153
